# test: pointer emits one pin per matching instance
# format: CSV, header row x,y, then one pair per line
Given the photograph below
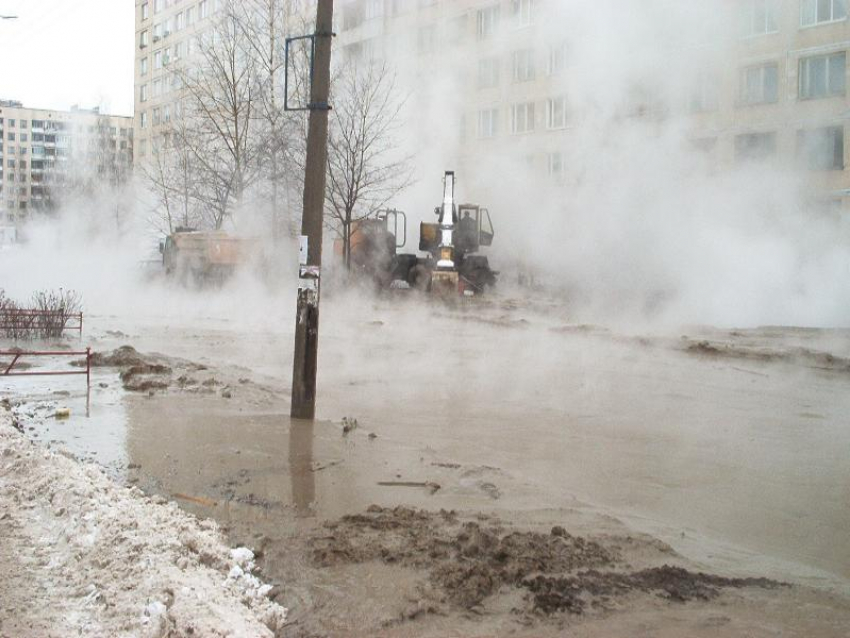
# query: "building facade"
x,y
492,78
46,154
167,34
769,80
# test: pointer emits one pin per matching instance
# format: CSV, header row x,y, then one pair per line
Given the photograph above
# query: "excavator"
x,y
452,264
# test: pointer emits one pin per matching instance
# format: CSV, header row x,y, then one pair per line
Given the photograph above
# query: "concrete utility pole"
x,y
307,313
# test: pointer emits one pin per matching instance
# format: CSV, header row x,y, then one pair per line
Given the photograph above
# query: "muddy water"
x,y
740,464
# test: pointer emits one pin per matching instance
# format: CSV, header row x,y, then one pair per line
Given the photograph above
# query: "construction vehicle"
x,y
202,256
452,263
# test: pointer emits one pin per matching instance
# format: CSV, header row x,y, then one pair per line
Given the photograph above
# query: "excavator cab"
x,y
395,223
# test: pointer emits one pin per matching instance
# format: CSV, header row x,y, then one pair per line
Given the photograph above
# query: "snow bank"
x,y
84,556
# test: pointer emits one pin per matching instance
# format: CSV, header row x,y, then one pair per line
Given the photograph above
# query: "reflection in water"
x,y
301,466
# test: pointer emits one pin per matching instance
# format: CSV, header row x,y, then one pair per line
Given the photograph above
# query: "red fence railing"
x,y
8,369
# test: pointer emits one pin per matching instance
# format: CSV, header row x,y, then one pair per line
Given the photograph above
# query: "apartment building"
x,y
507,63
167,33
44,153
499,68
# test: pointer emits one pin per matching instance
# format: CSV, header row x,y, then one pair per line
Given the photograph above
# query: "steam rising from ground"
x,y
644,228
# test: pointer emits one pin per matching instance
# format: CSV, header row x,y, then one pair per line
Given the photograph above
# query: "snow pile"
x,y
84,556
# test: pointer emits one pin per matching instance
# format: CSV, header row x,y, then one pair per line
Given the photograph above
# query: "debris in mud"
x,y
315,466
200,500
348,425
430,485
469,561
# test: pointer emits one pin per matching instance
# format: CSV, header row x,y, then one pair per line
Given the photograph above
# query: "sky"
x,y
58,53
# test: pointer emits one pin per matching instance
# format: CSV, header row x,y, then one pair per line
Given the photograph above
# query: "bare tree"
x,y
365,167
172,179
221,118
264,24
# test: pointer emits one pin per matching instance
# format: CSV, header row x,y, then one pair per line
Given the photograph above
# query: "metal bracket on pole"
x,y
310,106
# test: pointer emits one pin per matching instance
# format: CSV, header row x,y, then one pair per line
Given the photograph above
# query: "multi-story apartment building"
x,y
166,34
45,153
492,78
771,80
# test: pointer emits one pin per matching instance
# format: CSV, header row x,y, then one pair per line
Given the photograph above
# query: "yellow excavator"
x,y
452,262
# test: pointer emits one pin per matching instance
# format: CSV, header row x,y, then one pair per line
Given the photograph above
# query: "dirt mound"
x,y
122,357
800,356
571,594
470,561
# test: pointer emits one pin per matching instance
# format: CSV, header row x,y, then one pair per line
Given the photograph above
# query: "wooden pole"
x,y
305,356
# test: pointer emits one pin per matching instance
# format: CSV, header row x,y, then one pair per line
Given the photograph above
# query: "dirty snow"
x,y
83,556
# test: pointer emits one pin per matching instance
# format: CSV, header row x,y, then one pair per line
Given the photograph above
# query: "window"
x,y
760,84
523,12
157,32
157,88
143,93
157,60
37,124
143,39
143,119
190,16
24,137
157,117
754,146
557,58
12,122
166,113
823,75
144,11
814,12
374,9
10,136
822,149
143,66
203,9
556,112
178,22
488,123
759,17
157,6
23,124
523,65
488,73
556,165
522,117
703,96
10,163
488,21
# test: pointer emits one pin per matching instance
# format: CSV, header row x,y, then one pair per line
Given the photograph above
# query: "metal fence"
x,y
8,370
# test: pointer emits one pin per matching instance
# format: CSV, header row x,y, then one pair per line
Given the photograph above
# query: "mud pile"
x,y
806,357
470,561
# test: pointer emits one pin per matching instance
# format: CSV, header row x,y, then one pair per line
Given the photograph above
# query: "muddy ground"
x,y
522,475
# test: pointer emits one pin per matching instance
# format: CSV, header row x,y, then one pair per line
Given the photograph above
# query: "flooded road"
x,y
737,461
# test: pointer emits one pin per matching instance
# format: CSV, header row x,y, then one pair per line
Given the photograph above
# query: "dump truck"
x,y
202,256
451,263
